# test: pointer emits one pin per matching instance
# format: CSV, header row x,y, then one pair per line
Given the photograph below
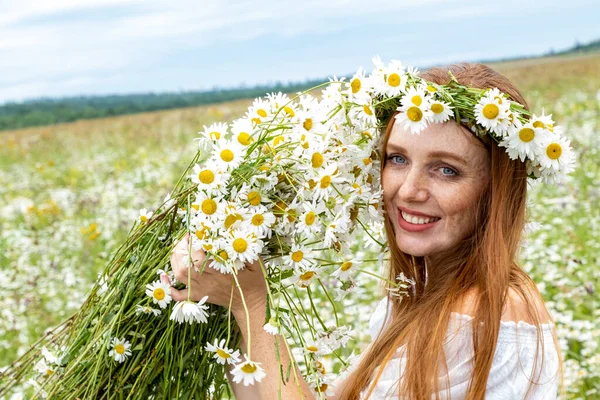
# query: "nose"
x,y
413,188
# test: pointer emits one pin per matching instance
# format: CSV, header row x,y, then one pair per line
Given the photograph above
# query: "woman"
x,y
455,206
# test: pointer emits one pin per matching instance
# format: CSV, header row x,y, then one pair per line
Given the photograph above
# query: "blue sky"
x,y
71,47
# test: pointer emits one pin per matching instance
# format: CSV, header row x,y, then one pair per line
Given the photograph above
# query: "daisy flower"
x,y
322,388
44,368
492,111
248,371
542,121
243,246
242,131
523,141
220,259
210,179
414,112
364,112
140,309
260,222
223,355
272,327
389,80
227,155
190,311
344,271
440,111
309,221
298,257
259,111
159,292
210,207
215,132
145,215
119,349
358,86
304,278
555,153
325,179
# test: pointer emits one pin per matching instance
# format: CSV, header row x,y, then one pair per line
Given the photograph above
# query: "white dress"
x,y
507,380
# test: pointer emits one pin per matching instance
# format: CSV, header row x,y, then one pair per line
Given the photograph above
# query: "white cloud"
x,y
56,40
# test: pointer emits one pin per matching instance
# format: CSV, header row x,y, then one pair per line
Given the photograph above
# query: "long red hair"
x,y
486,261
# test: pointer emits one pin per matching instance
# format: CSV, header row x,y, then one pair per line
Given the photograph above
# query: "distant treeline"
x,y
52,111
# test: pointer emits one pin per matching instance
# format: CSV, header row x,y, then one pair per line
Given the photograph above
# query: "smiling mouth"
x,y
417,219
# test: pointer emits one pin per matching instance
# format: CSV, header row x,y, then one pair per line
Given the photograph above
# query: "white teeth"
x,y
413,219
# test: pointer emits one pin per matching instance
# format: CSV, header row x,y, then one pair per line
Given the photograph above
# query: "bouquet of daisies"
x,y
293,184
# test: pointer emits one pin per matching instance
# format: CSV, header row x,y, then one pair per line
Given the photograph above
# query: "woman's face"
x,y
432,183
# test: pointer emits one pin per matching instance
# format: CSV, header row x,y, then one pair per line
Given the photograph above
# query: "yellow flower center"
x,y
49,372
222,254
209,206
309,218
200,234
553,151
240,245
416,100
279,139
297,256
120,349
346,266
206,176
289,111
367,110
261,112
143,218
367,161
159,294
414,114
244,138
307,275
394,79
526,135
355,85
258,220
254,198
249,368
325,182
316,160
431,89
308,124
538,124
231,218
491,111
222,354
437,108
215,135
312,348
226,155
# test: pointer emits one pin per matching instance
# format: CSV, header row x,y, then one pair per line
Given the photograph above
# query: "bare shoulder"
x,y
516,308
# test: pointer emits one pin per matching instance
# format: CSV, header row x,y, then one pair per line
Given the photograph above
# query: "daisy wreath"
x,y
294,184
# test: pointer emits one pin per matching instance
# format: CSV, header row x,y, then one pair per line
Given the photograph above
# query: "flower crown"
x,y
532,139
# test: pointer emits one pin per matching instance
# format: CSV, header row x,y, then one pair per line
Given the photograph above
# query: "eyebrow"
x,y
433,154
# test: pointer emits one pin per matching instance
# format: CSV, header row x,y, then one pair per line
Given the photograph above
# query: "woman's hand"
x,y
217,286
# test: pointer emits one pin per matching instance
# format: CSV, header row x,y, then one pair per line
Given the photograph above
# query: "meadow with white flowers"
x,y
70,193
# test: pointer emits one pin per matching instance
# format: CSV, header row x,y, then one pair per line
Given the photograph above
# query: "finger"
x,y
195,293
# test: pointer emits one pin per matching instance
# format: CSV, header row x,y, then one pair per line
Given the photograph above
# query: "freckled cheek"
x,y
459,208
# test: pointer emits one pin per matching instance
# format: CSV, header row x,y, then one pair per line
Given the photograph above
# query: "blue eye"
x,y
448,171
397,159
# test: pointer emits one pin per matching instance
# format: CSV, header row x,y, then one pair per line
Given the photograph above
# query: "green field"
x,y
69,194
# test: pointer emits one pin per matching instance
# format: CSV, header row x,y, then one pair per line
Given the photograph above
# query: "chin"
x,y
414,249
